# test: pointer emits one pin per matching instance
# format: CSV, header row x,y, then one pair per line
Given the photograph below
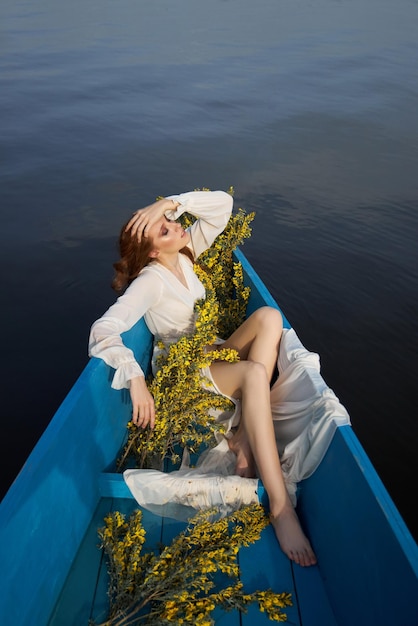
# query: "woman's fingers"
x,y
131,222
143,417
143,408
138,223
142,220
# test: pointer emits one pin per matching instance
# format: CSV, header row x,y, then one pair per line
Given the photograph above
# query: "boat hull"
x,y
366,553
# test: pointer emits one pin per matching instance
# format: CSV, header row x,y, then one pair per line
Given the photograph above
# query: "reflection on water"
x,y
308,109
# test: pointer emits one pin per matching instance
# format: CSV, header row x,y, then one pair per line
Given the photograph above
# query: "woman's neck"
x,y
170,261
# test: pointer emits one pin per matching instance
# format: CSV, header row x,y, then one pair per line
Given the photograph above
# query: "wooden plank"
x,y
84,595
159,530
74,604
171,528
309,594
264,566
153,526
313,602
112,485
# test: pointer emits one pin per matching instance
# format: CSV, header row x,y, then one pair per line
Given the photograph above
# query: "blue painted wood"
x,y
368,560
264,566
84,595
171,529
153,525
112,485
46,512
312,605
260,295
313,602
74,605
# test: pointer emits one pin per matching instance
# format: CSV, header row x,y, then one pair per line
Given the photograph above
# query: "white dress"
x,y
156,294
304,410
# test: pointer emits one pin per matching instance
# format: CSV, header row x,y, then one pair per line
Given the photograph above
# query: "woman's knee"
x,y
233,379
269,317
255,374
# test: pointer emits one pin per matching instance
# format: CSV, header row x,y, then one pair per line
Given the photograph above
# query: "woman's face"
x,y
168,237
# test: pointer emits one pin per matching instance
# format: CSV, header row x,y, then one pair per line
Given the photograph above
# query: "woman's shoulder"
x,y
149,278
151,271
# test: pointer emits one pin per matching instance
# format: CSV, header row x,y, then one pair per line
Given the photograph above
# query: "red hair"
x,y
134,256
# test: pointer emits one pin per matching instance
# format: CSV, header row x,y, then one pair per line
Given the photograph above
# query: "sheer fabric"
x,y
306,413
180,494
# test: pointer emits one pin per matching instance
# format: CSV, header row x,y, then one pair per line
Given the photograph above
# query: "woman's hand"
x,y
143,219
143,410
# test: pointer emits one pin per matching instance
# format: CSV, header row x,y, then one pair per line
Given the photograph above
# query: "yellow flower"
x,y
183,407
179,581
177,586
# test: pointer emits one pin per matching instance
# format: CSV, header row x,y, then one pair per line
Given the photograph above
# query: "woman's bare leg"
x,y
248,380
258,338
257,342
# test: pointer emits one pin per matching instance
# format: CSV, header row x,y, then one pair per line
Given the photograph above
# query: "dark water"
x,y
308,108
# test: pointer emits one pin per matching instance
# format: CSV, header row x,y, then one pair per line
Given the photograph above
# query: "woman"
x,y
156,265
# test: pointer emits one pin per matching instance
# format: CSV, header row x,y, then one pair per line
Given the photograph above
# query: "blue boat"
x,y
52,572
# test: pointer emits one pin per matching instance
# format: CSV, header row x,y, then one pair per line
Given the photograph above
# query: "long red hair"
x,y
134,256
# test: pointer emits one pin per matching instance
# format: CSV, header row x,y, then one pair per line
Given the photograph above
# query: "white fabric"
x,y
306,413
181,493
157,294
229,419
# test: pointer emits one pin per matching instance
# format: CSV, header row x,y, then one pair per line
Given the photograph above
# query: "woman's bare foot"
x,y
245,466
291,537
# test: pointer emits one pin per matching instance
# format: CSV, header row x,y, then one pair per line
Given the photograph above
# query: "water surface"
x,y
307,108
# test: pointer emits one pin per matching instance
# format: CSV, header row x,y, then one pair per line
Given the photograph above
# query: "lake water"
x,y
309,109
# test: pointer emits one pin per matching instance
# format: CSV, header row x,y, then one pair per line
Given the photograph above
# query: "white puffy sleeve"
x,y
105,340
213,210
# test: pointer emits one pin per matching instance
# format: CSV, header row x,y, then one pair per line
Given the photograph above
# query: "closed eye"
x,y
164,230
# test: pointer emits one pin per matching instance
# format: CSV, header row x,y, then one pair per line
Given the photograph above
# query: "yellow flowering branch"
x,y
185,409
177,586
225,276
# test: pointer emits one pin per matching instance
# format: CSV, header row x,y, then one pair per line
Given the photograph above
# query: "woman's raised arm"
x,y
143,219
